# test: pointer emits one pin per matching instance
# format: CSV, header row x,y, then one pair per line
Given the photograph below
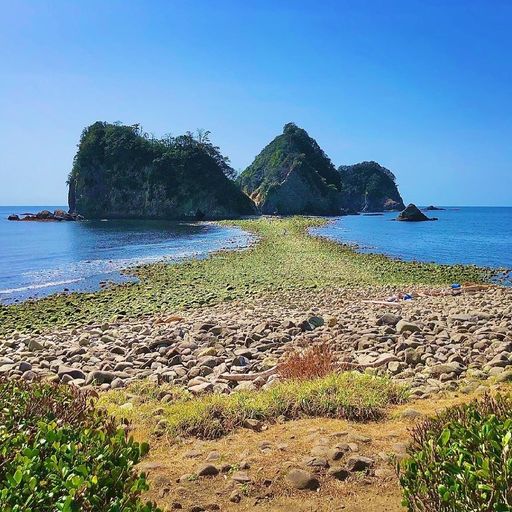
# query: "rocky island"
x,y
293,175
368,187
120,172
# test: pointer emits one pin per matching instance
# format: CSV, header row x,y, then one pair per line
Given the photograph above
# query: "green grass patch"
x,y
349,395
285,259
59,453
462,460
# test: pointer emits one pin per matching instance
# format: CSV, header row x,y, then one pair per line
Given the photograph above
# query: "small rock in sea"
x,y
412,214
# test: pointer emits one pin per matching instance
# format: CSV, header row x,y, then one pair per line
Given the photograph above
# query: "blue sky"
x,y
423,87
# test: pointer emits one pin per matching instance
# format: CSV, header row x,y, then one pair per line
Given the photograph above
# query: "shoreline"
x,y
283,256
96,273
431,343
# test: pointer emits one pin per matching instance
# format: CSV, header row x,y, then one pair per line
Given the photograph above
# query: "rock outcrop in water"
x,y
432,208
292,175
369,187
119,172
46,216
413,214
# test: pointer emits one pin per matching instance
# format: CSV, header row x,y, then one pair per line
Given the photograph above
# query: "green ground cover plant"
x,y
461,461
285,259
349,395
59,453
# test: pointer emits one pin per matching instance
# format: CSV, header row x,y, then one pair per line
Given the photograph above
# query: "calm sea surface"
x,y
40,258
471,235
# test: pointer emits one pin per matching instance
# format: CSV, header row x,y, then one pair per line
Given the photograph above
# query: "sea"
x,y
479,236
41,258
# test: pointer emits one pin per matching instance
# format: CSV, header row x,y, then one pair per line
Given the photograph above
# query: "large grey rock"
x,y
440,369
389,319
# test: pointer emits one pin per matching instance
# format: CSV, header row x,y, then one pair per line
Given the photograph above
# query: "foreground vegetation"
x,y
286,258
462,460
349,395
59,453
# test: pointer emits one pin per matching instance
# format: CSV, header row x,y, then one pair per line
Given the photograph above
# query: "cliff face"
x,y
369,187
119,173
292,175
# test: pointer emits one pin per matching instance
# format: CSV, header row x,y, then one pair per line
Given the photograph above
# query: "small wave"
x,y
37,286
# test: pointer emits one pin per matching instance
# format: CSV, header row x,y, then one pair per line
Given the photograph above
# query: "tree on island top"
x,y
121,171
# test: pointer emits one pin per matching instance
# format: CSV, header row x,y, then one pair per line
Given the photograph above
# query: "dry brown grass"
x,y
314,362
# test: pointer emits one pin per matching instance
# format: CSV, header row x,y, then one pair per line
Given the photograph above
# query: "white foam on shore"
x,y
37,286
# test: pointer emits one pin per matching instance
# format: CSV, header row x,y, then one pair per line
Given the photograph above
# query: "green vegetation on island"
x,y
285,258
369,187
121,172
293,175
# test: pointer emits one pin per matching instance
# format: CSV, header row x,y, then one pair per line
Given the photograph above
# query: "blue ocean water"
x,y
471,235
41,258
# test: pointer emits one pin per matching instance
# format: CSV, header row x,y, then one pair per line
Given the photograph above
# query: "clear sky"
x,y
424,87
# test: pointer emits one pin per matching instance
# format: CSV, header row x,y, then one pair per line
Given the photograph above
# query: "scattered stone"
x,y
207,470
241,477
404,326
338,473
359,463
303,480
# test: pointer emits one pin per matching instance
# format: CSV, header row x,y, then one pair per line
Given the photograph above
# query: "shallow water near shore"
x,y
41,258
479,236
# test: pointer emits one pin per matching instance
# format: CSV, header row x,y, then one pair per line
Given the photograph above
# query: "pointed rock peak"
x,y
413,214
293,175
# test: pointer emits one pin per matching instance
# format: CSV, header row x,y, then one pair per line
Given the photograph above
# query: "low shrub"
x,y
349,395
59,453
313,362
461,461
